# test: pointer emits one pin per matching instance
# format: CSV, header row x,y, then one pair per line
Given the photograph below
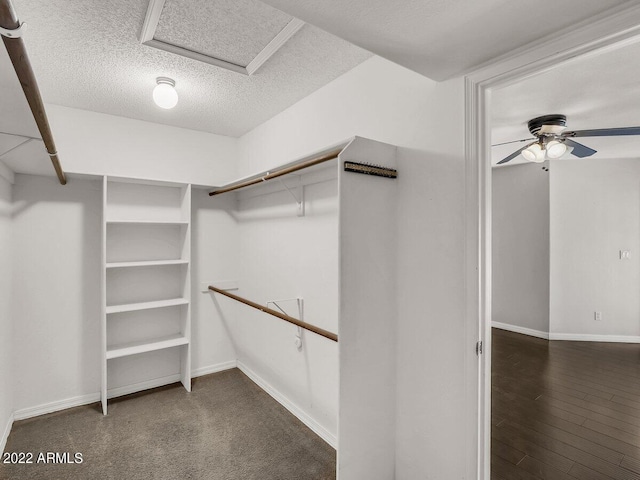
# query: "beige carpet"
x,y
225,429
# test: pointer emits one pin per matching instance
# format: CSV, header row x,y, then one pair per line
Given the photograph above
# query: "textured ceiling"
x,y
593,92
231,30
442,38
86,55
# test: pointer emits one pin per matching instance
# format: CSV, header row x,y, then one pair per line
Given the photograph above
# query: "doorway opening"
x,y
606,34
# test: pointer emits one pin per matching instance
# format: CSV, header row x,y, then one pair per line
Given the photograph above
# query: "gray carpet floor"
x,y
227,428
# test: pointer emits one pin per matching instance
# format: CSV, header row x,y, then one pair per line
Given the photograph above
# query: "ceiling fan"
x,y
552,141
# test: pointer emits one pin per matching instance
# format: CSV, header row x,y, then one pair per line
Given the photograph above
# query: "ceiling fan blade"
x,y
513,141
604,132
513,155
579,150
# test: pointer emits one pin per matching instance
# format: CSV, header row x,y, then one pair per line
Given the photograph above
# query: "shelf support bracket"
x,y
299,330
298,197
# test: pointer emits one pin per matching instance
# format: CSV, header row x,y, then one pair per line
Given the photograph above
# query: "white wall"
x,y
56,290
595,213
385,102
520,247
368,315
97,143
6,324
215,257
283,256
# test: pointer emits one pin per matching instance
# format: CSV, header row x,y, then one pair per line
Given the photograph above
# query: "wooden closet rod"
x,y
278,173
18,55
295,321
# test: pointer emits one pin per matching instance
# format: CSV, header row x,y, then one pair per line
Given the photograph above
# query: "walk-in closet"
x,y
233,245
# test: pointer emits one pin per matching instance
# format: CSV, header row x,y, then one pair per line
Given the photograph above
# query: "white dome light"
x,y
165,95
555,149
534,153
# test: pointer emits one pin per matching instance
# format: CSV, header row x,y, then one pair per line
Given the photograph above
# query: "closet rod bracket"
x,y
13,32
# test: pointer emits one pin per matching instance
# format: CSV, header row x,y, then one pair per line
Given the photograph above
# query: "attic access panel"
x,y
239,35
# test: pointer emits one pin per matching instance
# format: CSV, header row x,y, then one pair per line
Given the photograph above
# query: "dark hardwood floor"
x,y
564,410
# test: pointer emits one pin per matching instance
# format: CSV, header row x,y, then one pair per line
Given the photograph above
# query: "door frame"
x,y
616,28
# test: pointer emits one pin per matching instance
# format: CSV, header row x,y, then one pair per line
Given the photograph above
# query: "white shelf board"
x,y
146,181
143,347
146,222
340,146
147,263
132,307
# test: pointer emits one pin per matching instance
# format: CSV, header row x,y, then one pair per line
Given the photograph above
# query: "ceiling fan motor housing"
x,y
554,123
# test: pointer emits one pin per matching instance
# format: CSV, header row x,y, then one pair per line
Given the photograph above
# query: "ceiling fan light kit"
x,y
534,153
552,141
555,149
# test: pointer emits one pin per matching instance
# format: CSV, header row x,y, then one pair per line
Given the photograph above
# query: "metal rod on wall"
x,y
11,30
295,321
278,173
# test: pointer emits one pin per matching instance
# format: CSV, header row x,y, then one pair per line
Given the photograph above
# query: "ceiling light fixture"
x,y
540,151
534,153
555,149
164,94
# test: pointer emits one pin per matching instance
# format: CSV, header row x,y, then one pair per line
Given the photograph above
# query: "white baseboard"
x,y
139,387
575,337
587,337
517,329
198,372
289,405
58,405
5,434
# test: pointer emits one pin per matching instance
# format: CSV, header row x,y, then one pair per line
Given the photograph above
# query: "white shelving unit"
x,y
146,291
